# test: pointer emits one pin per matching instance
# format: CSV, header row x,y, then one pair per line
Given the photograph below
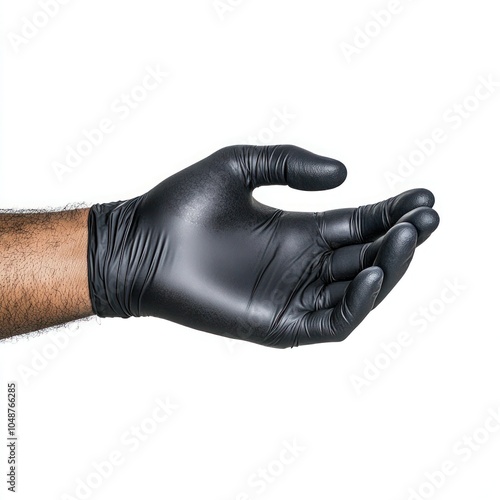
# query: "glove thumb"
x,y
292,166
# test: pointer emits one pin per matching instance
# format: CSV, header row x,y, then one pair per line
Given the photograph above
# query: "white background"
x,y
81,388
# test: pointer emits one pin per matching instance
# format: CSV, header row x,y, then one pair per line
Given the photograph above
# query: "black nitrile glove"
x,y
199,250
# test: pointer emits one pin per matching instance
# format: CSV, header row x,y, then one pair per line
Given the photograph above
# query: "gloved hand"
x,y
199,250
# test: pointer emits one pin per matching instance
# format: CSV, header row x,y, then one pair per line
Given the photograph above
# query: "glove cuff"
x,y
108,270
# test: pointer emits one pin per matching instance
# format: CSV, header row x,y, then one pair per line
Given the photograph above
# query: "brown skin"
x,y
43,270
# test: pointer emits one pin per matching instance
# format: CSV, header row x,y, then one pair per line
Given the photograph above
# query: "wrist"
x,y
111,262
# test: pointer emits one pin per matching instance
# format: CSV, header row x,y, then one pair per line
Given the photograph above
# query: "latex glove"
x,y
199,250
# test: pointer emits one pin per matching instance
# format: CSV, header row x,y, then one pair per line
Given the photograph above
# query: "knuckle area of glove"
x,y
327,268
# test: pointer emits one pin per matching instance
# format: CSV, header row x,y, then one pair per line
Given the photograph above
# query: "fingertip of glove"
x,y
315,174
373,276
423,197
425,219
406,231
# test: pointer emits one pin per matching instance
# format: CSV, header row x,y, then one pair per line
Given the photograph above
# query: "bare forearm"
x,y
43,270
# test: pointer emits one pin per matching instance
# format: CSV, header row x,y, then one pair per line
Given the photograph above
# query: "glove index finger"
x,y
366,223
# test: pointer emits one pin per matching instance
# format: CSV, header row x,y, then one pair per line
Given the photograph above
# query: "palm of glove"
x,y
201,251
